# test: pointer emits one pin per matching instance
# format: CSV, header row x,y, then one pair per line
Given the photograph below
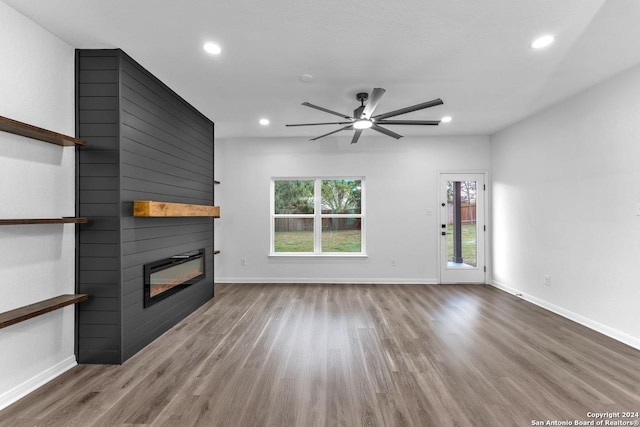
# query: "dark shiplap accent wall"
x,y
163,151
99,249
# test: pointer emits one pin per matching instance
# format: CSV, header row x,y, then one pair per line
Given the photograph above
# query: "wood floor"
x,y
351,355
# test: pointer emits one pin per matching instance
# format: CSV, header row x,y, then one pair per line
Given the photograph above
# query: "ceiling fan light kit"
x,y
363,117
362,124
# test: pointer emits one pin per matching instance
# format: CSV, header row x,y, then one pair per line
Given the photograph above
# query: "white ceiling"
x,y
472,54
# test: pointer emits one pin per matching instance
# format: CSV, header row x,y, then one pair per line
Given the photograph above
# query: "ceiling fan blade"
x,y
386,131
331,133
409,122
409,109
372,103
356,136
315,124
306,104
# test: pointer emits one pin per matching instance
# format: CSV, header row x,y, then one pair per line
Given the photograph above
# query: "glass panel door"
x,y
462,228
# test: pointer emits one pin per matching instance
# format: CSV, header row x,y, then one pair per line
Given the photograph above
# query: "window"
x,y
317,216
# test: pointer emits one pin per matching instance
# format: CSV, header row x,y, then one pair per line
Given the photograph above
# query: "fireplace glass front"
x,y
168,276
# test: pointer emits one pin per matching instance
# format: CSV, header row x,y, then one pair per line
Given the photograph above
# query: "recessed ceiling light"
x,y
445,119
212,48
264,122
542,42
306,78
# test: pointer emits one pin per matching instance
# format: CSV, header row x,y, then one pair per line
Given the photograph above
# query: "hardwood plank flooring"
x,y
351,355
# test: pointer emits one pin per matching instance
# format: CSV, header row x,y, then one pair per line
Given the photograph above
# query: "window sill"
x,y
308,255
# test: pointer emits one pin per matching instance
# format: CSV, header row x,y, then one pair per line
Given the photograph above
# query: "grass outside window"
x,y
317,216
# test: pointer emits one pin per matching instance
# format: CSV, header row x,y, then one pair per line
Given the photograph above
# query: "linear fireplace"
x,y
167,276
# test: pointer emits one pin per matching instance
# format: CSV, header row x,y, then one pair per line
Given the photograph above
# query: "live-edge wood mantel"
x,y
149,208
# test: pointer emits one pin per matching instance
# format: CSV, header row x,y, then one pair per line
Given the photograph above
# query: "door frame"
x,y
485,210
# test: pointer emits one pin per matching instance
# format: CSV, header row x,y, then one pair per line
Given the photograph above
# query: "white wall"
x,y
36,180
401,184
566,189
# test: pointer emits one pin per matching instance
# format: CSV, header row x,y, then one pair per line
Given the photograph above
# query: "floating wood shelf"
x,y
67,220
30,311
148,208
30,131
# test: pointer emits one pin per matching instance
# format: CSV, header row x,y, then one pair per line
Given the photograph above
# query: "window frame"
x,y
317,217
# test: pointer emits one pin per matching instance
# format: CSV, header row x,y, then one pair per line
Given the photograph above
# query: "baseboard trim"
x,y
584,321
337,281
39,380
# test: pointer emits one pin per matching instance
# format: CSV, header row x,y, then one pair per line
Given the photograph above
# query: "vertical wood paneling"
x,y
162,150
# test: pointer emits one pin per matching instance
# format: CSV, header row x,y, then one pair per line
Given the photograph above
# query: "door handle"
x,y
444,233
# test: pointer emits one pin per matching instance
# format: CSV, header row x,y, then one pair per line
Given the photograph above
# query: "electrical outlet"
x,y
393,262
547,280
243,262
428,212
638,209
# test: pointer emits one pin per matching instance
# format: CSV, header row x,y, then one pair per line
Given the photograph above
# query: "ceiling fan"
x,y
363,117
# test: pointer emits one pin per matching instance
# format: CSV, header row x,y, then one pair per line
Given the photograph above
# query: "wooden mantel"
x,y
149,208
